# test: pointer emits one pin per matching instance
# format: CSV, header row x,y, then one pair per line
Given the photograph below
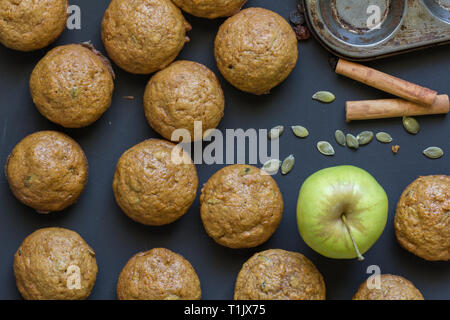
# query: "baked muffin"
x,y
143,36
151,187
72,85
28,25
256,50
47,171
181,94
241,206
392,288
55,264
158,274
210,9
422,222
279,275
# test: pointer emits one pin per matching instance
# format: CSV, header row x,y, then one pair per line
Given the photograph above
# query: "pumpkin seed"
x,y
262,286
411,125
287,164
74,92
340,137
300,131
213,201
272,166
433,152
352,141
276,132
325,148
364,137
245,171
27,182
324,96
384,137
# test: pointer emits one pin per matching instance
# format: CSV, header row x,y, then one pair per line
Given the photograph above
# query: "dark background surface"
x,y
115,237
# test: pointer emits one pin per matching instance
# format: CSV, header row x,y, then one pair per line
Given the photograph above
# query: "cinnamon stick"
x,y
385,82
391,108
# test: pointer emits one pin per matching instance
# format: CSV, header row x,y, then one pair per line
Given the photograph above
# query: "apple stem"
x,y
358,254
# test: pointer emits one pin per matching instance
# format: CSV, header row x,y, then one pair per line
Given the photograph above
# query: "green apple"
x,y
341,212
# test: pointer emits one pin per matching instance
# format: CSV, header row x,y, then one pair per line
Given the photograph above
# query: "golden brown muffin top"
x,y
210,9
72,86
241,206
256,50
279,275
392,288
47,171
181,94
150,187
422,221
28,25
158,274
55,264
143,36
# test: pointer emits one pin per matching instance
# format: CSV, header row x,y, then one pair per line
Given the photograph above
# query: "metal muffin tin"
x,y
404,25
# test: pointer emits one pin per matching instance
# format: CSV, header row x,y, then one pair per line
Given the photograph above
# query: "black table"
x,y
116,238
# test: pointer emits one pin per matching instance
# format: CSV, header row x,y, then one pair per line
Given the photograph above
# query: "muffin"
x,y
30,25
151,187
279,275
392,288
181,94
158,274
422,222
72,85
256,50
55,264
47,171
143,36
241,206
210,9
